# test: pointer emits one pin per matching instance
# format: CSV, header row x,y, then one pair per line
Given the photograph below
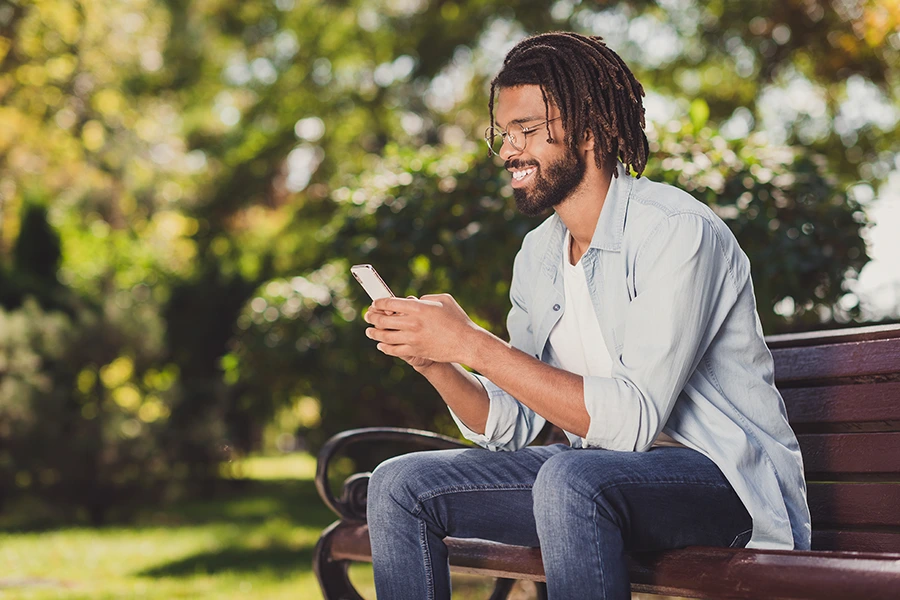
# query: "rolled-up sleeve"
x,y
510,424
684,286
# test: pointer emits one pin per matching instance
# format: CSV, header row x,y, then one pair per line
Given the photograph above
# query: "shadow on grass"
x,y
242,502
249,504
281,559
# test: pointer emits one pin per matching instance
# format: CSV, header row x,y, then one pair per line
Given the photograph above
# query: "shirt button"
x,y
556,307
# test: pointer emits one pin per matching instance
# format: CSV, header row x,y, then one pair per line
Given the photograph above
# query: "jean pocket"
x,y
741,539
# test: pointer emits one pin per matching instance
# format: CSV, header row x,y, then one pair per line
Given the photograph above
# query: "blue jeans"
x,y
584,507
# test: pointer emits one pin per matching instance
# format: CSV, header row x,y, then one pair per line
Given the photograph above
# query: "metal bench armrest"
x,y
352,504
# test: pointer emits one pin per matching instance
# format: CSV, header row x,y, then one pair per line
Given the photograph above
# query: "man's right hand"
x,y
459,389
417,363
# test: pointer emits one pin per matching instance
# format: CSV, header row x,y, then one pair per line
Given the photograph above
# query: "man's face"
x,y
544,174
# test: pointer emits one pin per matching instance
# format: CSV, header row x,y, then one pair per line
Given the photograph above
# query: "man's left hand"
x,y
434,327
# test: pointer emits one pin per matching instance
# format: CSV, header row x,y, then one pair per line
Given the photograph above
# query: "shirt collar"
x,y
611,225
610,228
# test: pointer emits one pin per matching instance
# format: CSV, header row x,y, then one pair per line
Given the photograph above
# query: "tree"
x,y
212,168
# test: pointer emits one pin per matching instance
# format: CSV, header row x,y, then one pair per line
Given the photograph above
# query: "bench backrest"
x,y
842,392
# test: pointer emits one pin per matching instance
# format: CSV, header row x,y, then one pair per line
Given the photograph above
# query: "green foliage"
x,y
77,424
431,220
210,170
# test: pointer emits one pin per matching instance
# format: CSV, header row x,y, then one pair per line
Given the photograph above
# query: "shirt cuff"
x,y
614,412
499,429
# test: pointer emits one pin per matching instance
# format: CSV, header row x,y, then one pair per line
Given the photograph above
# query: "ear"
x,y
587,140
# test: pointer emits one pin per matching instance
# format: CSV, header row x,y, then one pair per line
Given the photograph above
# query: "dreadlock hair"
x,y
592,87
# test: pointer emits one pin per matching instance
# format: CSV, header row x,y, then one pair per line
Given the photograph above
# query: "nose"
x,y
507,150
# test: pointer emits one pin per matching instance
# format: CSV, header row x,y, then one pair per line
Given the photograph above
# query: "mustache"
x,y
519,164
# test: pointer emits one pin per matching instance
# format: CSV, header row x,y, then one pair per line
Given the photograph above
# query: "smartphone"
x,y
371,281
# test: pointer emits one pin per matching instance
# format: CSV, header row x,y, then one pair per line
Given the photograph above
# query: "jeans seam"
x,y
423,527
464,488
426,555
630,483
595,520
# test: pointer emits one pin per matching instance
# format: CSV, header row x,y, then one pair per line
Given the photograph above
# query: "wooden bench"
x,y
842,391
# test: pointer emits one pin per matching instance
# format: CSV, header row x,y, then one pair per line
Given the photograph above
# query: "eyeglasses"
x,y
516,135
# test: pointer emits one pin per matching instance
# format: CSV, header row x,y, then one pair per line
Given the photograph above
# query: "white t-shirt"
x,y
576,342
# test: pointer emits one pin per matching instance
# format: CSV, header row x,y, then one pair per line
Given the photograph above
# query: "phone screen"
x,y
371,281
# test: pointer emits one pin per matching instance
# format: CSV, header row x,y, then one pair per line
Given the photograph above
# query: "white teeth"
x,y
520,175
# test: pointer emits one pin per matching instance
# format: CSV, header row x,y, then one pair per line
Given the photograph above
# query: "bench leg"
x,y
332,574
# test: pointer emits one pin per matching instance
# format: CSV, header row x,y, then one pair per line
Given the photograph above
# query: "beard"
x,y
551,185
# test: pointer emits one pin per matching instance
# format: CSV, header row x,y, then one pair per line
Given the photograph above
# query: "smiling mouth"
x,y
519,175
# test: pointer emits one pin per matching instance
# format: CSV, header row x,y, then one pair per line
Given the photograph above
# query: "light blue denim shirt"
x,y
673,295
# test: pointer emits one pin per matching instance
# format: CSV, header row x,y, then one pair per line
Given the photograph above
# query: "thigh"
x,y
471,493
664,498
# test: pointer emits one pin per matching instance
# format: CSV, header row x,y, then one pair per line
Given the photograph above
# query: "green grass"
x,y
253,542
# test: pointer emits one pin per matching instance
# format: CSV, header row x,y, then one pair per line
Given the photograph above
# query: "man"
x,y
633,328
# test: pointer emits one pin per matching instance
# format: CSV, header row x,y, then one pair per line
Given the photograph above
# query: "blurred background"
x,y
183,185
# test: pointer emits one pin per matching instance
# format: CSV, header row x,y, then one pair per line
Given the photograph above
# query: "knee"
x,y
568,483
557,483
393,482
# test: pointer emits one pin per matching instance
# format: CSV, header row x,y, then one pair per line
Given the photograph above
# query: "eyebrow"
x,y
521,120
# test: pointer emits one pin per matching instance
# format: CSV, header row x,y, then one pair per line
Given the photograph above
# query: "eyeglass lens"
x,y
514,135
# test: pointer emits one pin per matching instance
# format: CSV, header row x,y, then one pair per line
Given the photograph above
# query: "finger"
x,y
387,336
399,350
400,305
394,321
373,311
439,298
431,301
373,317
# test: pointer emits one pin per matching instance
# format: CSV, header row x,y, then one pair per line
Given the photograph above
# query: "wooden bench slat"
x,y
877,360
855,407
719,572
856,541
833,336
861,454
854,504
735,573
351,542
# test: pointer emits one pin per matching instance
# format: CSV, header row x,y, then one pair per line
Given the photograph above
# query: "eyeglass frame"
x,y
491,132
